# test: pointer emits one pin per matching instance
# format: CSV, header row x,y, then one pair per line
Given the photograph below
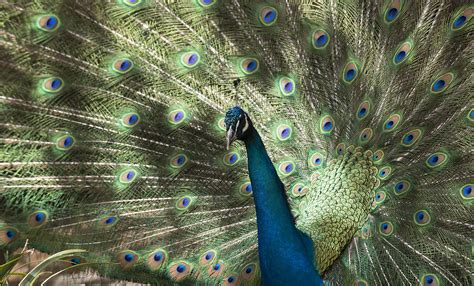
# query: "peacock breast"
x,y
338,204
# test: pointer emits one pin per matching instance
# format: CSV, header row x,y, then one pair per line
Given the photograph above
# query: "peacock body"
x,y
356,164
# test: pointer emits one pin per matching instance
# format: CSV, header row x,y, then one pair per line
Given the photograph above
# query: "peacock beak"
x,y
230,137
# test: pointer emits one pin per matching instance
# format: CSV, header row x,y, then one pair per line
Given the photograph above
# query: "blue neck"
x,y
286,255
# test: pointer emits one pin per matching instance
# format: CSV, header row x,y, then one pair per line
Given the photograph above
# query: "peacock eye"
x,y
157,259
65,142
437,160
351,72
320,39
128,176
384,173
462,18
466,192
422,217
268,16
48,23
130,120
326,125
231,159
246,189
392,12
7,235
122,66
402,53
190,59
180,270
402,187
179,161
127,259
284,132
392,122
442,83
52,85
366,135
184,203
248,272
207,257
430,280
38,219
132,3
249,66
287,86
386,228
177,116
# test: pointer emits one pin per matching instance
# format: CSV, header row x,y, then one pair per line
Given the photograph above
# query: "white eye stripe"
x,y
237,126
246,126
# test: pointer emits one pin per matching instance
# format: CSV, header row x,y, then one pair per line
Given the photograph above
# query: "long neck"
x,y
285,254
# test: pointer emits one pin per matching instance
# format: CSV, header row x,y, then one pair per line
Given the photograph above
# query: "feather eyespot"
x,y
179,270
462,18
363,110
122,66
38,219
206,3
65,142
326,125
286,168
190,59
287,86
340,148
366,232
52,85
130,120
386,228
351,72
7,235
402,53
299,190
377,157
248,272
422,217
284,132
392,12
107,222
178,161
48,23
320,39
437,160
366,135
442,83
184,203
127,259
402,187
392,122
132,3
232,279
221,124
315,160
380,197
430,280
249,65
466,192
177,116
231,159
360,282
76,260
385,172
157,259
216,269
246,189
268,16
411,137
128,176
208,257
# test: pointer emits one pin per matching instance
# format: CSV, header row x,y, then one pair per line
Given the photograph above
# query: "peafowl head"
x,y
237,124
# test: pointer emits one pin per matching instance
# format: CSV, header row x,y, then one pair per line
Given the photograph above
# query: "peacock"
x,y
240,142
